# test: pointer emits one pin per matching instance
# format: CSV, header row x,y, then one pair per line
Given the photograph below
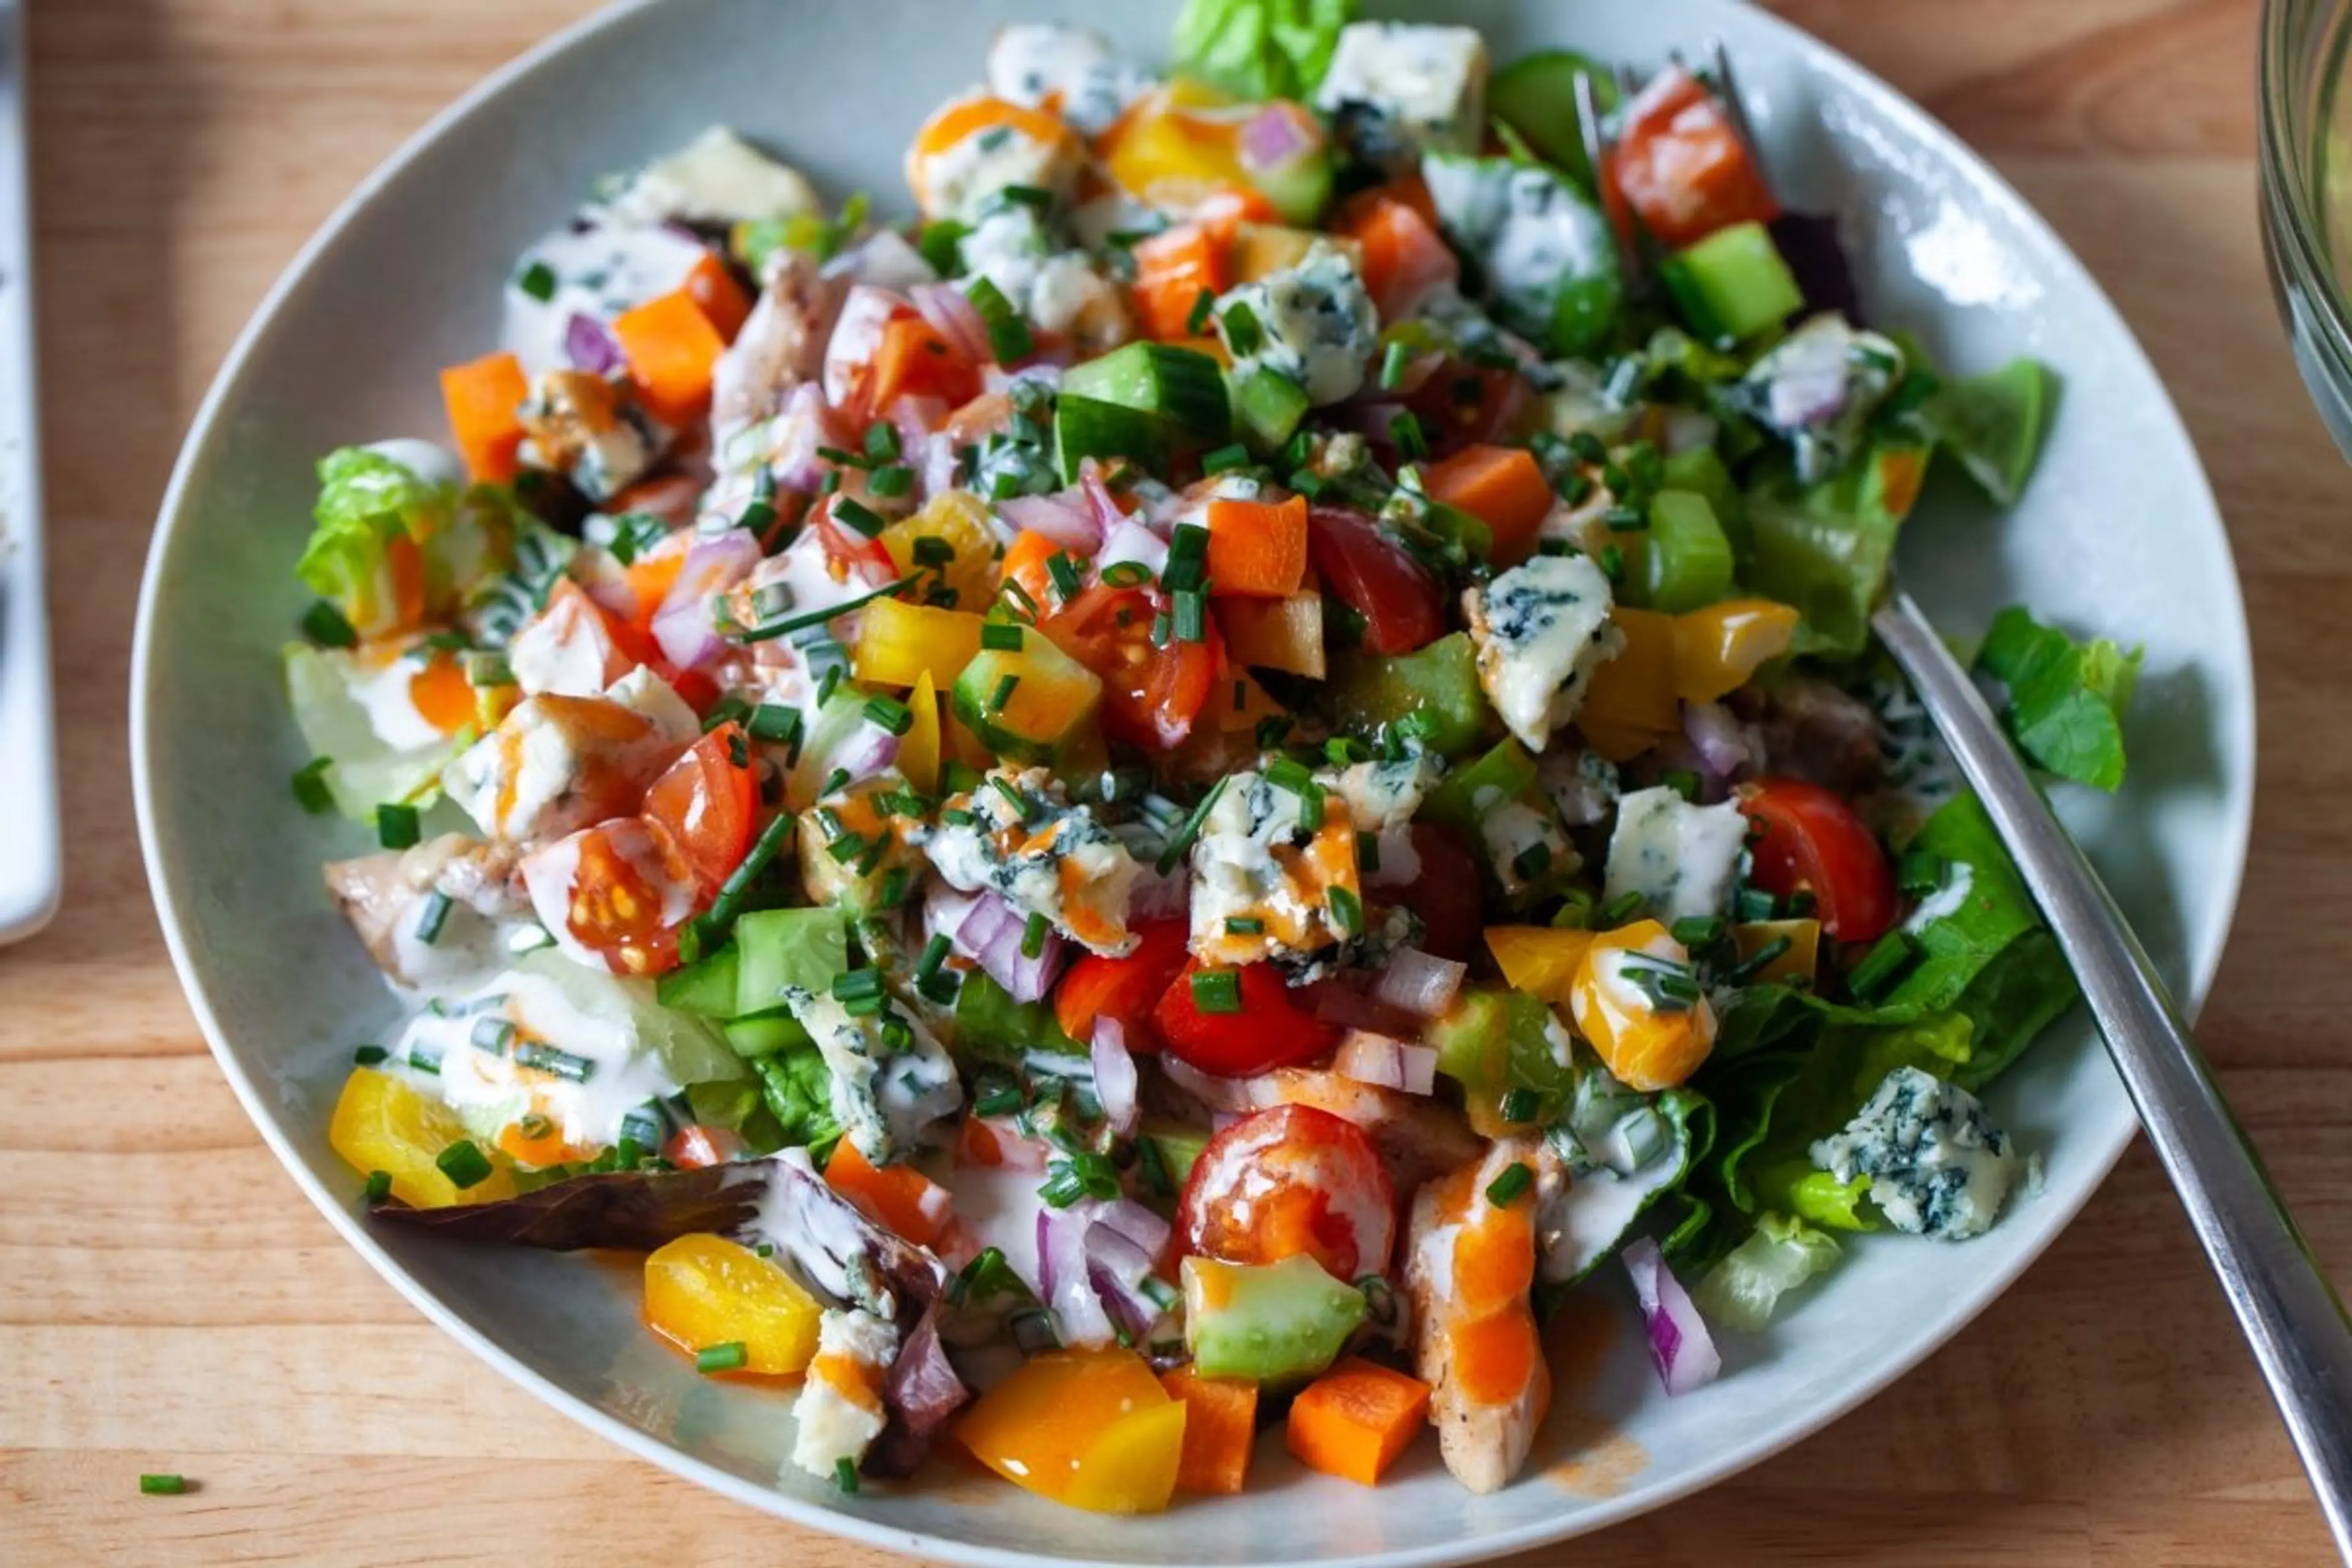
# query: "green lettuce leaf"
x,y
1825,547
322,690
1994,424
1259,49
369,503
1780,1254
2066,698
689,1049
798,1089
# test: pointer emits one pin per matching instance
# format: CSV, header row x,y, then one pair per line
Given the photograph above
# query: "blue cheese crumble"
x,y
1819,388
1541,629
1425,85
1043,855
1536,237
1682,860
1312,324
1938,1166
1034,63
890,1079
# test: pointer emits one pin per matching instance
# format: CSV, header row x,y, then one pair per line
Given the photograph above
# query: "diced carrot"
x,y
671,347
1411,190
898,1196
482,398
1258,548
915,361
1219,1429
442,695
713,286
1024,562
1355,1419
1492,1357
1404,259
1502,487
1172,268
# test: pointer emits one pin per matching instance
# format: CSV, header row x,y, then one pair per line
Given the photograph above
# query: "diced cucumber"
x,y
1089,428
1686,557
1179,1145
990,1026
1184,386
1436,688
1994,424
1275,1322
1300,189
1048,705
1494,1041
1536,96
763,1036
1733,285
1703,472
1505,773
807,949
707,990
1268,406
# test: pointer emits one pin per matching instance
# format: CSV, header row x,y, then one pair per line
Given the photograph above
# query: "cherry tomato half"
x,y
1288,1181
705,802
619,899
1812,841
1444,891
1150,695
1270,1029
1123,988
1399,601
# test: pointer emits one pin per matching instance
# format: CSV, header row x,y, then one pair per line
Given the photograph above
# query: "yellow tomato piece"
x,y
1631,705
1238,703
1275,634
1262,248
918,748
898,643
1178,147
1538,960
961,519
1799,962
1718,649
1131,1467
1040,1426
1648,1048
704,1291
382,1124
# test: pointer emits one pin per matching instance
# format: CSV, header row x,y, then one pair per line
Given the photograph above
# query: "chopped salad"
x,y
1172,790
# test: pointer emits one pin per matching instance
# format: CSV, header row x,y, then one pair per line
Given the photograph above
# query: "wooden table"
x,y
169,1302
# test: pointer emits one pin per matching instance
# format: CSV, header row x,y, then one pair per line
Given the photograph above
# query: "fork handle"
x,y
2288,1311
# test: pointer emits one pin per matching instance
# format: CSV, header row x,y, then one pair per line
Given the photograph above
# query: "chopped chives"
x,y
1612,563
957,816
1919,873
894,887
464,1163
1311,484
1757,963
1273,729
396,826
1008,334
1531,862
1587,448
1245,925
163,1486
1241,328
739,882
1884,965
1196,320
1310,808
756,518
935,953
882,441
1619,910
1682,781
726,711
892,482
1003,636
845,847
368,1055
1004,693
379,1186
1506,1188
1033,935
774,721
537,280
432,917
767,631
1225,458
1404,429
1347,909
1216,990
1697,931
1521,1105
1368,851
1065,573
310,786
484,667
1753,904
852,984
1394,359
1125,573
543,1058
890,713
845,1475
492,1033
855,515
728,1357
930,550
1023,806
323,624
1191,618
1188,829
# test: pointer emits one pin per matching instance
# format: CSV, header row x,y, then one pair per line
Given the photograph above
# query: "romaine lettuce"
x,y
322,689
1826,548
1259,49
1780,1254
2066,699
392,547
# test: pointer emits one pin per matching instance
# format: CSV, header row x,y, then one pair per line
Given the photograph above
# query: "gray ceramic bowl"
x,y
2119,535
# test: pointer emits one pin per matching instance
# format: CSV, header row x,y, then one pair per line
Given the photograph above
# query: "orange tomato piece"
x,y
1257,548
482,398
671,347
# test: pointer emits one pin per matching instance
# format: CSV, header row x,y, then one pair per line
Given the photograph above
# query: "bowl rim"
x,y
2053,1216
2299,249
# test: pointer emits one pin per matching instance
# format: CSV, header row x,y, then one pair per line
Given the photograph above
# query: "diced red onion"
x,y
683,626
915,418
805,424
884,260
1118,1268
1715,735
868,751
1107,512
991,936
922,1394
1386,1062
1679,1343
1115,1077
1417,982
1274,137
939,465
945,907
1065,519
1062,1267
954,317
588,346
1130,541
1155,897
1230,1094
1131,1220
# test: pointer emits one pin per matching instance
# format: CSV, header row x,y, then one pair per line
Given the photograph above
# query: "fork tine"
x,y
1720,63
1596,154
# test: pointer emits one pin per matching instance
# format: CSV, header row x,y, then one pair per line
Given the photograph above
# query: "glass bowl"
x,y
2306,194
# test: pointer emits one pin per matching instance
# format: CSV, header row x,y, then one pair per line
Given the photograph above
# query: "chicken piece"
x,y
585,426
780,345
380,894
1416,1138
1470,1261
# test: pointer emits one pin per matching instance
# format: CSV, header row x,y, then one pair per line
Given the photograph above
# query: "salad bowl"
x,y
2118,536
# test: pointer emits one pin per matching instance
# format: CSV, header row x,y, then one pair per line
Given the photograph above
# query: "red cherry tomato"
x,y
1289,1180
1680,164
1812,841
1399,601
1270,1030
1123,988
1150,695
619,890
1443,892
705,802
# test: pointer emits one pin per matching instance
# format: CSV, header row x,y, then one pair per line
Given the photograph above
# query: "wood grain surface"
x,y
168,1302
